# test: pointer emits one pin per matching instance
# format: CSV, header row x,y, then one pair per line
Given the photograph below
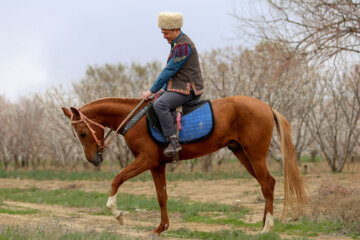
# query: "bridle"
x,y
102,145
87,121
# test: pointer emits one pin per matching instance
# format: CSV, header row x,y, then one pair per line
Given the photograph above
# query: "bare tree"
x,y
320,29
5,132
60,144
334,122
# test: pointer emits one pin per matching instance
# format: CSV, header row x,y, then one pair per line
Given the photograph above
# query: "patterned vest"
x,y
189,76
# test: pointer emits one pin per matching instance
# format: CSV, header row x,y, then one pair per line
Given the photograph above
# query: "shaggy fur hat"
x,y
170,20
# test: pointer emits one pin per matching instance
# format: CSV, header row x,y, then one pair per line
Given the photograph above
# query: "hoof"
x,y
269,223
154,236
120,218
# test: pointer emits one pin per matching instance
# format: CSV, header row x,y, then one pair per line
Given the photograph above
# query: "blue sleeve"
x,y
179,56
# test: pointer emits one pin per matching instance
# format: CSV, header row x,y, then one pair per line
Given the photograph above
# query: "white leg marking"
x,y
111,205
269,223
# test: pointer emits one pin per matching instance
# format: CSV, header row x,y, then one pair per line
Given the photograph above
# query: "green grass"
x,y
209,213
48,232
56,175
128,202
102,175
307,159
4,208
304,227
18,211
223,235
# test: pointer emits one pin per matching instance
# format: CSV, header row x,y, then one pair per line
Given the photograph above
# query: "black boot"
x,y
173,147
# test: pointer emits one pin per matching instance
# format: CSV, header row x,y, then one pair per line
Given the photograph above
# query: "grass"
x,y
56,175
127,202
18,211
105,175
4,208
209,213
304,227
220,235
48,231
307,159
54,230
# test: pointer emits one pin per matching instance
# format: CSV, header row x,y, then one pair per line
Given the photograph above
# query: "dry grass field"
x,y
333,211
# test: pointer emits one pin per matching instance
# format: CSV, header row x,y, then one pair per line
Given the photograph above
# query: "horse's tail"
x,y
294,191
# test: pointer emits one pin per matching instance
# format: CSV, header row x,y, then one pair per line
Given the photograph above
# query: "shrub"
x,y
337,203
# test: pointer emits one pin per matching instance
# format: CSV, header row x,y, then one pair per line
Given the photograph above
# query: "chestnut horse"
x,y
243,124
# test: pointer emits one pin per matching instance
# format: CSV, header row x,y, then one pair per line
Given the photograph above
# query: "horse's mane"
x,y
102,101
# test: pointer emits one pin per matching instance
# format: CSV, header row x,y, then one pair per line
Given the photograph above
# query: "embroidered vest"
x,y
189,76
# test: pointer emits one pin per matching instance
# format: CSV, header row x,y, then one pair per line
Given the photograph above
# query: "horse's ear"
x,y
75,113
67,112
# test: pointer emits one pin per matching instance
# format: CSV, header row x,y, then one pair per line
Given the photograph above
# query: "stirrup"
x,y
173,147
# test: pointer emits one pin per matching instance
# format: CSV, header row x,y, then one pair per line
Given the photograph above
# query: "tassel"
x,y
178,121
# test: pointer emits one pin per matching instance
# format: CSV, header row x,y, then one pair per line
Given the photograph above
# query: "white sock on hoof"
x,y
111,205
269,223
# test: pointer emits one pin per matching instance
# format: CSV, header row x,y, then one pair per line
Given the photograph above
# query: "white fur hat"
x,y
170,20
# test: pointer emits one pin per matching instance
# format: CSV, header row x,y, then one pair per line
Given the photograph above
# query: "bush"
x,y
339,204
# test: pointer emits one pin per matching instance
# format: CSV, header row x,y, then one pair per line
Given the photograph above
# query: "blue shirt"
x,y
178,56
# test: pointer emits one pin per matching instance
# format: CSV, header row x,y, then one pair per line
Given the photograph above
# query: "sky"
x,y
48,43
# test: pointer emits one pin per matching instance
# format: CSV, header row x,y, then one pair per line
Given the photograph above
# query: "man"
x,y
181,77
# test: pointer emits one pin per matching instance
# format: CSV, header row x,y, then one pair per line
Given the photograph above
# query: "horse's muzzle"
x,y
98,160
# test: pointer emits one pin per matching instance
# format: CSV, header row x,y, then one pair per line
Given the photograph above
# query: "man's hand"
x,y
146,95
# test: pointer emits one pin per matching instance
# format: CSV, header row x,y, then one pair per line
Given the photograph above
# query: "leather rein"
x,y
88,122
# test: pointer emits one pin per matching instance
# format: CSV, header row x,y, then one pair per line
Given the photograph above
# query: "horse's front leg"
x,y
158,174
140,165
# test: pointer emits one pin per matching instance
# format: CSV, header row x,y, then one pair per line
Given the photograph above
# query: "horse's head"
x,y
89,133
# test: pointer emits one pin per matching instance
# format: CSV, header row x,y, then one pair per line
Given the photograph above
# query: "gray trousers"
x,y
163,106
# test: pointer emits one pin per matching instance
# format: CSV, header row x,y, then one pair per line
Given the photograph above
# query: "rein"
x,y
88,121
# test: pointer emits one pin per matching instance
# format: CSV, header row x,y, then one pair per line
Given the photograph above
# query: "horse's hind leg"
x,y
267,183
239,153
257,167
158,174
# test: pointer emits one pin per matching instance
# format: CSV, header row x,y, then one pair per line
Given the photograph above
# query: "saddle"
x,y
197,122
186,108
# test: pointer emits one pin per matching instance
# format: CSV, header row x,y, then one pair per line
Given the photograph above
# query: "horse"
x,y
243,124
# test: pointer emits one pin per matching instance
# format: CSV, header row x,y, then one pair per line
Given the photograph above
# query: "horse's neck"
x,y
110,112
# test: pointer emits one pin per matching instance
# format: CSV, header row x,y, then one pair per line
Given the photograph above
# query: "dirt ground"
x,y
237,192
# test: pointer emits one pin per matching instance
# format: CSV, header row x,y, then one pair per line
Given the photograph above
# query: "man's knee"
x,y
160,105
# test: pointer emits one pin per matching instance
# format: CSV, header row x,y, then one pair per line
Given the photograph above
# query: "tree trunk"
x,y
206,163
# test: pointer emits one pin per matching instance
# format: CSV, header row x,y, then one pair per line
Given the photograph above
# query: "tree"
x,y
334,121
6,137
317,29
60,144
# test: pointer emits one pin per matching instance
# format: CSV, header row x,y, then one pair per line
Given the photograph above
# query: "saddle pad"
x,y
196,126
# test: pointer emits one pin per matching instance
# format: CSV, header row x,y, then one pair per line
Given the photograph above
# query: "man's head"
x,y
170,24
170,35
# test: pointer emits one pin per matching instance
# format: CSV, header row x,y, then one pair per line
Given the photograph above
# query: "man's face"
x,y
170,35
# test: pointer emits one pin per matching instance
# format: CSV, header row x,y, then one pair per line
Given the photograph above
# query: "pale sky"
x,y
44,43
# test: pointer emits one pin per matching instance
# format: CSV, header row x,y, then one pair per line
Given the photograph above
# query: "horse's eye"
x,y
83,135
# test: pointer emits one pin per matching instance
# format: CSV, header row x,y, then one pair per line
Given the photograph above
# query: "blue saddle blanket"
x,y
195,126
